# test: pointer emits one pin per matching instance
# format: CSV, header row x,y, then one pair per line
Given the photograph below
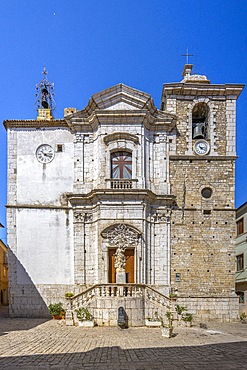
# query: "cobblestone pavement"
x,y
39,344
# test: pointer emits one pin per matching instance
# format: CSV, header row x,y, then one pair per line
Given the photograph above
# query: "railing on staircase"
x,y
119,290
157,297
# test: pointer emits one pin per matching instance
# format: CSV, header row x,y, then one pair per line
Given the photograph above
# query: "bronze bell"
x,y
199,130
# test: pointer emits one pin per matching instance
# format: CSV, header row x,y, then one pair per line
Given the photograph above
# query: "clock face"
x,y
201,147
45,153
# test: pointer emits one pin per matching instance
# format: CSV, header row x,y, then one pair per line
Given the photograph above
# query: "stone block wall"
x,y
203,230
211,308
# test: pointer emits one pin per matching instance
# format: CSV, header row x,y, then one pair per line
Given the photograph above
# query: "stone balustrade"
x,y
121,183
152,295
139,301
120,290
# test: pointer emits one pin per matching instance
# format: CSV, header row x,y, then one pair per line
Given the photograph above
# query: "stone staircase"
x,y
138,301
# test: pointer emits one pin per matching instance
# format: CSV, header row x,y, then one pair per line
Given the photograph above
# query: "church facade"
x,y
124,193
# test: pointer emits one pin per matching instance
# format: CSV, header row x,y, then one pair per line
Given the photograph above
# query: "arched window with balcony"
x,y
121,170
121,165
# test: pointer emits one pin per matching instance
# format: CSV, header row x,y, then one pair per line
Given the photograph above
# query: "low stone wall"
x,y
28,300
225,309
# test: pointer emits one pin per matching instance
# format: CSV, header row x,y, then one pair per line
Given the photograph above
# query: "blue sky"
x,y
89,45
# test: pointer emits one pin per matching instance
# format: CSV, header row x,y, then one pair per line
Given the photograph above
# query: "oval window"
x,y
207,193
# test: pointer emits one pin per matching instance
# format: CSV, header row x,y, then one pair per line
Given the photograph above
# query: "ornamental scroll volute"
x,y
121,237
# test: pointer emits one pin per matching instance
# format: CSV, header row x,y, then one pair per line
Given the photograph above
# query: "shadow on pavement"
x,y
14,324
224,356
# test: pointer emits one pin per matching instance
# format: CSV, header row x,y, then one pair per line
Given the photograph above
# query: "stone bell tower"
x,y
202,175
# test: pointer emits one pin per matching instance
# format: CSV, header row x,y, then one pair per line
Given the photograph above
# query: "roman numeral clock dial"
x,y
45,153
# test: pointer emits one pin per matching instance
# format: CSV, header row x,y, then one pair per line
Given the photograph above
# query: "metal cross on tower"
x,y
187,55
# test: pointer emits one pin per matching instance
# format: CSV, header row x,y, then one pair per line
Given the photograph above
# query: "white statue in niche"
x,y
120,260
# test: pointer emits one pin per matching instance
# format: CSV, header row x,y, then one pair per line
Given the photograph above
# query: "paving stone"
x,y
30,344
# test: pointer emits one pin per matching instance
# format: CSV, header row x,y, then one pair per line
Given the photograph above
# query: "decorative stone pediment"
x,y
120,104
121,97
121,236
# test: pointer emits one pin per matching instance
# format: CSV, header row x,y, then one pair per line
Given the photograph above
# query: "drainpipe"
x,y
169,252
84,248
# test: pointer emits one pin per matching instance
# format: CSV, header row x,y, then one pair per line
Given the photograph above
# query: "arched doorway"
x,y
125,239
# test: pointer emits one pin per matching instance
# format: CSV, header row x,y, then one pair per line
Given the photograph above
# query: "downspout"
x,y
84,247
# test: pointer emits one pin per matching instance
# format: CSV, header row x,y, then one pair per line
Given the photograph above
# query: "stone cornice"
x,y
195,89
36,206
241,210
199,209
34,124
202,158
119,195
159,120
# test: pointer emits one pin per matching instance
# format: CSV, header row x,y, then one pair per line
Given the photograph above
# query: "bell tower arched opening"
x,y
200,114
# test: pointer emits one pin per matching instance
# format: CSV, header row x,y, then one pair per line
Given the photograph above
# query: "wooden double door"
x,y
129,268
